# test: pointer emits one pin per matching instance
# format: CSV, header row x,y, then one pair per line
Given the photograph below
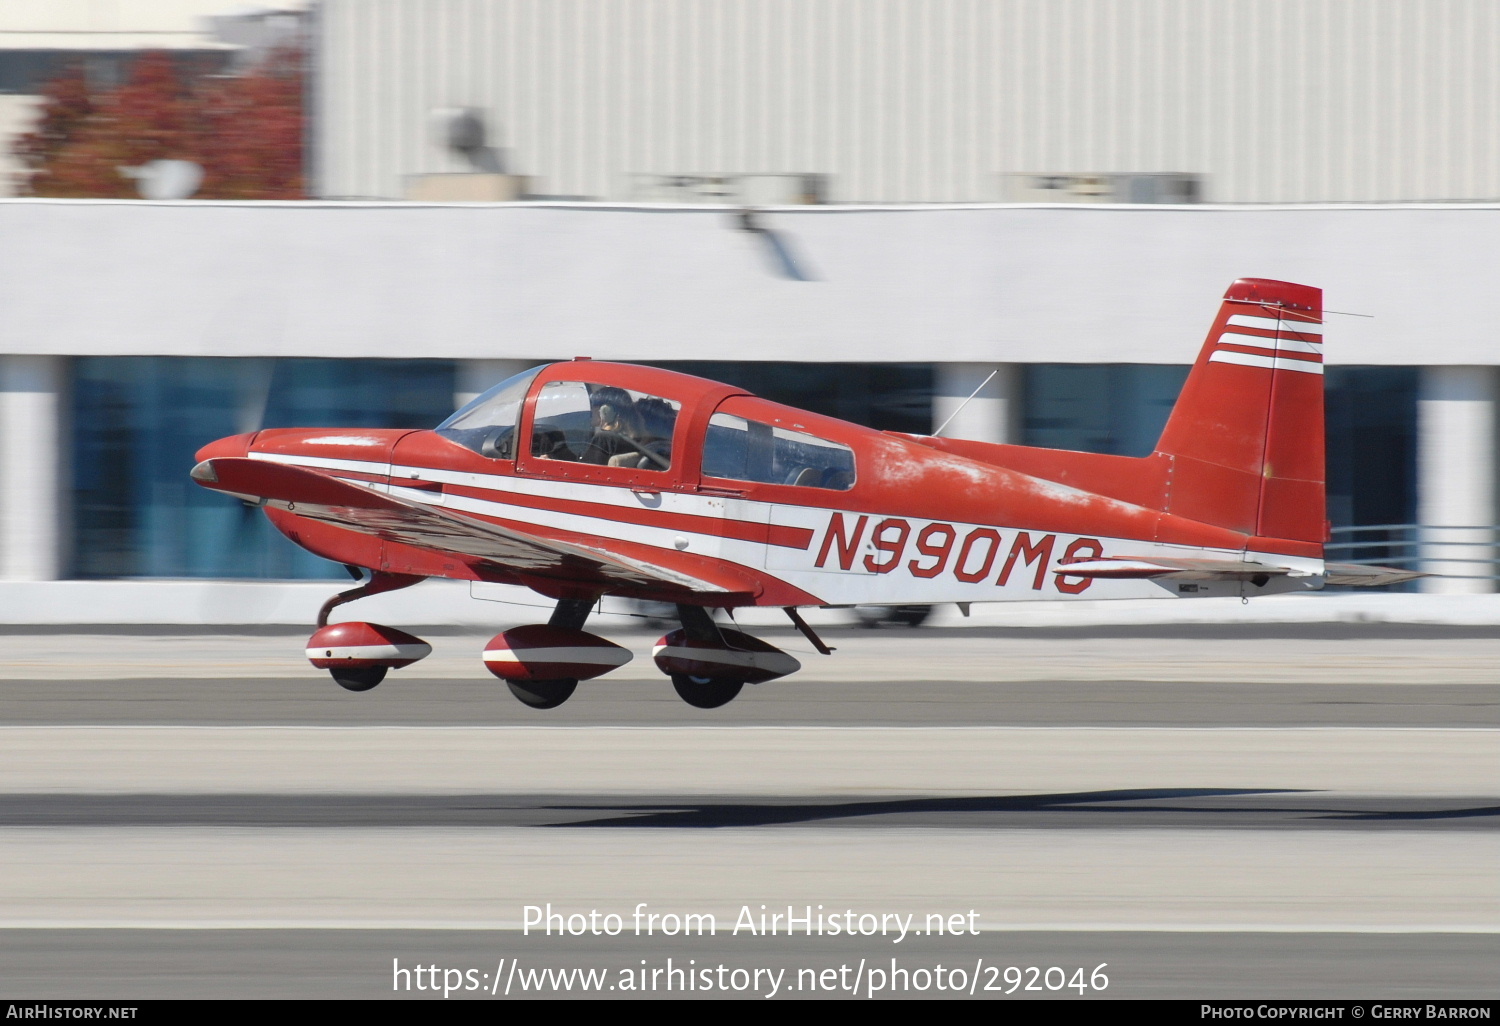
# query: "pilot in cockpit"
x,y
628,432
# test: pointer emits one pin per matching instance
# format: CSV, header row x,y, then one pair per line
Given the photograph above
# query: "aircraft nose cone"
x,y
234,445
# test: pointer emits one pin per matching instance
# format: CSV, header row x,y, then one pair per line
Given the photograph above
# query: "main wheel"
x,y
706,692
881,616
543,694
911,616
357,678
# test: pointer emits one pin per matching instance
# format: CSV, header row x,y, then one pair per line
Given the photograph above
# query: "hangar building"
x,y
894,156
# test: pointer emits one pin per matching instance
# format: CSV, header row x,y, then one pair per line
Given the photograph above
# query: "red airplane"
x,y
584,479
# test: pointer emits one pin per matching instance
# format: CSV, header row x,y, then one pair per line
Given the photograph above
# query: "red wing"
x,y
331,500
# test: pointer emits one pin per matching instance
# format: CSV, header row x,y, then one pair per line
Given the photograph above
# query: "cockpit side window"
x,y
746,450
488,424
585,422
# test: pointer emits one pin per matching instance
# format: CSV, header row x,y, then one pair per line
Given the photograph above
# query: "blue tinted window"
x,y
137,421
1112,408
887,396
747,450
1372,452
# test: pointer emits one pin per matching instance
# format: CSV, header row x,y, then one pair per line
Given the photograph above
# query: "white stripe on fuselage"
x,y
324,463
831,583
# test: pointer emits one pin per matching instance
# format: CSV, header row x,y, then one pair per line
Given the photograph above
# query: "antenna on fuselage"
x,y
966,402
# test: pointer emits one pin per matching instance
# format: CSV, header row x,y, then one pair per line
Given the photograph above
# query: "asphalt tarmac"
x,y
417,701
1214,813
125,965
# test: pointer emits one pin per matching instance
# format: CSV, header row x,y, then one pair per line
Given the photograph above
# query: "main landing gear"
x,y
707,664
542,663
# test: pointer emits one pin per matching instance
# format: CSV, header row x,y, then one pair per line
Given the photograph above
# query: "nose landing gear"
x,y
358,654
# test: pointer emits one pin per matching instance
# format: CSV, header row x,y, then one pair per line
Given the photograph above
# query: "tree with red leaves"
x,y
244,130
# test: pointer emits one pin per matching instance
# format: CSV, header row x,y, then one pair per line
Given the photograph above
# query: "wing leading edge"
x,y
331,500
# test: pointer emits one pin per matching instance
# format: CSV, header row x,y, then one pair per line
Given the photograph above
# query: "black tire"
x,y
706,692
543,694
892,616
357,678
911,616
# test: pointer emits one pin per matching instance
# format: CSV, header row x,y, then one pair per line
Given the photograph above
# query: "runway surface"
x,y
1213,812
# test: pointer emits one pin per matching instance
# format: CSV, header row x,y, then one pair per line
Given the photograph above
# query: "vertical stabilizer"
x,y
1246,436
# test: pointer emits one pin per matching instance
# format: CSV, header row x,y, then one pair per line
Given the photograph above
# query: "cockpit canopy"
x,y
488,423
580,420
606,425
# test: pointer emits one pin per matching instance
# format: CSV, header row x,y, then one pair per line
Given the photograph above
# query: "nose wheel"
x,y
358,655
357,678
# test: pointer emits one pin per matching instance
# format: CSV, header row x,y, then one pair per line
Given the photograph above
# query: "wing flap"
x,y
322,497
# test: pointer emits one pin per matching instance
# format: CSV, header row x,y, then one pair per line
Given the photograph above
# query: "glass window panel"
x,y
746,450
488,424
584,422
138,421
359,393
1372,459
1110,408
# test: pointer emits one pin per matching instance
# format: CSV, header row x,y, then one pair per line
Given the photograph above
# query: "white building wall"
x,y
926,100
110,24
1018,284
18,116
32,520
1456,477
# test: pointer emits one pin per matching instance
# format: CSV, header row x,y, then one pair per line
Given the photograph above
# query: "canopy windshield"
x,y
488,424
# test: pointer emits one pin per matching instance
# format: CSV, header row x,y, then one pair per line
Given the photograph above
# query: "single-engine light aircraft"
x,y
582,479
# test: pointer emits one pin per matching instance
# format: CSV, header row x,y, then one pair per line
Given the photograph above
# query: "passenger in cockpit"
x,y
658,420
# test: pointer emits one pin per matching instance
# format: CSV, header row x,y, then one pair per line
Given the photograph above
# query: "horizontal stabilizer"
x,y
332,500
1171,569
1349,575
1357,575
